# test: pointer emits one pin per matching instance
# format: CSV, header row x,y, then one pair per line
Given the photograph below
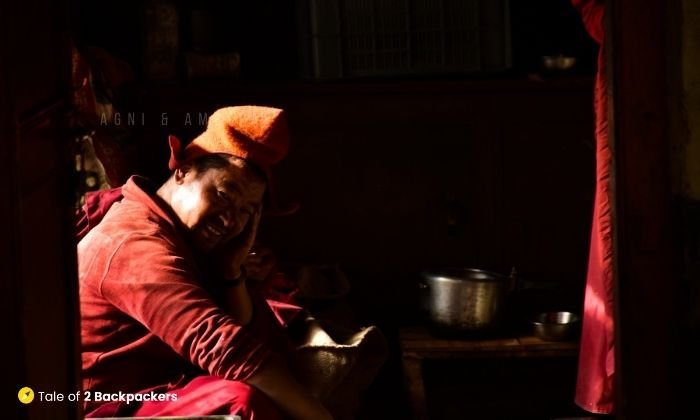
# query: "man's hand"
x,y
236,300
260,263
233,255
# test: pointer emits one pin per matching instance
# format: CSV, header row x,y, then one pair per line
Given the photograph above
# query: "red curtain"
x,y
596,370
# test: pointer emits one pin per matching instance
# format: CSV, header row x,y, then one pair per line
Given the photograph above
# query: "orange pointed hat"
x,y
256,134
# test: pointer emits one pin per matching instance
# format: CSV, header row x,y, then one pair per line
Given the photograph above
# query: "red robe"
x,y
596,370
149,318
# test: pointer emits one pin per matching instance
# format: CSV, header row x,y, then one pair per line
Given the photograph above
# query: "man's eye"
x,y
223,195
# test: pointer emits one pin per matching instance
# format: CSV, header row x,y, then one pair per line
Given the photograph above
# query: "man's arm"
x,y
150,282
275,381
237,302
274,378
152,285
236,299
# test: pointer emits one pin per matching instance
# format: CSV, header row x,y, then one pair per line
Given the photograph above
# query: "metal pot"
x,y
465,299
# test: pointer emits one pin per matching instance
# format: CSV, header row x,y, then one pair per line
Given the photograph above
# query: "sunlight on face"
x,y
216,205
187,198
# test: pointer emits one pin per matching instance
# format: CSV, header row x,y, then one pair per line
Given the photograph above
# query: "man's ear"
x,y
175,152
181,172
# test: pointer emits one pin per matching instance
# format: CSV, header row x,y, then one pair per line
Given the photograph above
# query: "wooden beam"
x,y
646,284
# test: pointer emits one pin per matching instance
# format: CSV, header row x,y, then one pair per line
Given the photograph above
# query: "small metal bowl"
x,y
558,62
555,326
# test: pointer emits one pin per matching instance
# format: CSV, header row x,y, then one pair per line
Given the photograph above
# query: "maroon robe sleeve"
x,y
152,284
97,203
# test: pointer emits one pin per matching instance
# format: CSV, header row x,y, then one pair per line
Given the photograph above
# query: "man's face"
x,y
216,205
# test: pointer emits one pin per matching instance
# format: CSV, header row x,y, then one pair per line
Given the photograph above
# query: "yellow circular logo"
x,y
25,395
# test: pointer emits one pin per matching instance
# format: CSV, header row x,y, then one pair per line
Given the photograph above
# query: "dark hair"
x,y
221,161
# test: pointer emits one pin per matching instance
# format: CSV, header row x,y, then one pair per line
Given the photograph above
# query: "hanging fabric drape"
x,y
596,370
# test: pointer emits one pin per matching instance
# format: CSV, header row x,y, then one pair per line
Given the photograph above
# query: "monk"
x,y
166,310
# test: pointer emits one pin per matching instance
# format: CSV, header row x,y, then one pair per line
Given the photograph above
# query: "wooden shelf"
x,y
417,345
417,342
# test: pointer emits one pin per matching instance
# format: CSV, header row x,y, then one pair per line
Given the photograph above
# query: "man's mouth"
x,y
214,231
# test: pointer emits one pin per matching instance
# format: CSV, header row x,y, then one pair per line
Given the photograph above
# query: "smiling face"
x,y
216,204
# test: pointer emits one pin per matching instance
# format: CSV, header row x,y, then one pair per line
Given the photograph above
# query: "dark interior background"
x,y
395,174
267,33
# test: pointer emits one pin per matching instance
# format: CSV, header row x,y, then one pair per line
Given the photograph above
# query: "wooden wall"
x,y
38,279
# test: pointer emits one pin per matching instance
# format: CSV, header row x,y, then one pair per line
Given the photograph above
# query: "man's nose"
x,y
227,219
